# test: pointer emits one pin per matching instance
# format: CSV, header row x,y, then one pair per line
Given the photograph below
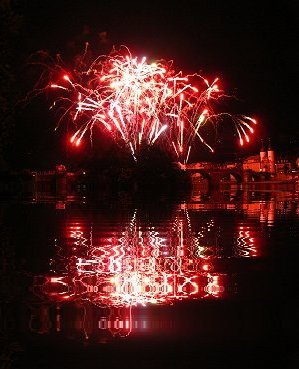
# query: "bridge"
x,y
207,174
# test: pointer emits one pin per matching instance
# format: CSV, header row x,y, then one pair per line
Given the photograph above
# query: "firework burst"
x,y
140,103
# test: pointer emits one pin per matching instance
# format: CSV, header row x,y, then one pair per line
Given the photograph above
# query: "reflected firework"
x,y
139,103
141,264
106,274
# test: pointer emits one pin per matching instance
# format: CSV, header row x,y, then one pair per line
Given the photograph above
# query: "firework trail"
x,y
140,103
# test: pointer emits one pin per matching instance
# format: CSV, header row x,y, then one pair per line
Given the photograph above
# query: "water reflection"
x,y
133,263
123,271
108,267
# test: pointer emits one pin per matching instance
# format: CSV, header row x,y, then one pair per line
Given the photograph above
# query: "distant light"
x,y
206,267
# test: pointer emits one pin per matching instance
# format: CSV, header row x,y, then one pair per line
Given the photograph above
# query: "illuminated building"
x,y
271,158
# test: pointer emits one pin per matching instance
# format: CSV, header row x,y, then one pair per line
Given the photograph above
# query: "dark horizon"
x,y
249,46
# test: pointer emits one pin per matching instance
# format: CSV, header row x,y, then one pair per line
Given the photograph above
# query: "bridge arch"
x,y
232,177
251,176
264,176
200,178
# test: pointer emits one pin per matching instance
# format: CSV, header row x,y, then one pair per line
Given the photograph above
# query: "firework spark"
x,y
140,103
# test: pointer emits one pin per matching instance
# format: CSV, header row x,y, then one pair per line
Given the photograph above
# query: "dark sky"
x,y
250,45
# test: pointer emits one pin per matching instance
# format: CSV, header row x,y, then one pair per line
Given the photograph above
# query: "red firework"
x,y
140,103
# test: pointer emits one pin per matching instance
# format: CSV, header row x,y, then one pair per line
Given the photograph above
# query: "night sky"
x,y
249,45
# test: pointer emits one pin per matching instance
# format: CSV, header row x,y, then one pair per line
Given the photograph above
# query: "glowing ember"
x,y
140,103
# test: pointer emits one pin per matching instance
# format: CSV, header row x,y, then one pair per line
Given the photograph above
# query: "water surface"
x,y
206,282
